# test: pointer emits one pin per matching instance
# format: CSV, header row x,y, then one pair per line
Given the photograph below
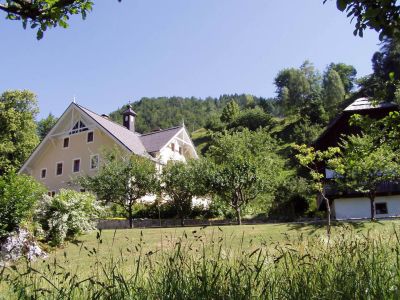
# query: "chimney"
x,y
128,118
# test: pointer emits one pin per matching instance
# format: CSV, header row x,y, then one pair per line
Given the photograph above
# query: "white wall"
x,y
357,208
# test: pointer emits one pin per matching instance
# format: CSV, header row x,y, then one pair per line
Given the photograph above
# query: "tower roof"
x,y
129,111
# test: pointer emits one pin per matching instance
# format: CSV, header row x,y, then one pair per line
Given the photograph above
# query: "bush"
x,y
67,215
18,197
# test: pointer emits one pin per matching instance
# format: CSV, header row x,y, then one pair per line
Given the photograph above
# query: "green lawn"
x,y
213,262
120,242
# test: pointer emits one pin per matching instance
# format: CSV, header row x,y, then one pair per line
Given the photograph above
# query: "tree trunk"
x,y
130,217
372,202
328,215
238,216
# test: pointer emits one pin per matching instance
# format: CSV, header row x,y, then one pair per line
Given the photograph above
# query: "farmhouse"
x,y
350,204
75,144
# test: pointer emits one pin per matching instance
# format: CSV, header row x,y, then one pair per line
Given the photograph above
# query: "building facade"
x,y
75,145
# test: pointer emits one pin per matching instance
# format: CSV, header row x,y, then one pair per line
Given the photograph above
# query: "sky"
x,y
147,48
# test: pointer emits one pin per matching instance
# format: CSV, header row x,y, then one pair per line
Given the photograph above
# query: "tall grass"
x,y
349,266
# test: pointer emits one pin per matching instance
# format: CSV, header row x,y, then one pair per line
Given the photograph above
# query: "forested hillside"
x,y
164,112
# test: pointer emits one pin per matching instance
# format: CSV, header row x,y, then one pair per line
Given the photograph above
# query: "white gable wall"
x,y
359,208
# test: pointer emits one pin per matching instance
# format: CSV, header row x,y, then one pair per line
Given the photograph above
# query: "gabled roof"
x,y
365,103
340,125
136,143
154,141
128,138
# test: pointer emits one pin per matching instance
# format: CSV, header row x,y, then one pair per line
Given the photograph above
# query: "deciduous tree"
x,y
123,180
182,182
18,135
244,167
383,16
363,166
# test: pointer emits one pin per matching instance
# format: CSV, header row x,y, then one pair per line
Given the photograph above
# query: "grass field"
x,y
271,261
162,239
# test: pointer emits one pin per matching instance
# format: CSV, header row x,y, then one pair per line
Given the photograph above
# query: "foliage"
x,y
291,198
66,215
123,180
251,119
347,74
313,161
165,112
244,166
364,165
383,16
18,197
44,14
45,125
295,87
305,132
383,84
334,92
305,267
181,182
17,128
230,112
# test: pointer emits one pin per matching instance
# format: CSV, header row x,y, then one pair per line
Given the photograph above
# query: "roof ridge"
x,y
107,119
161,130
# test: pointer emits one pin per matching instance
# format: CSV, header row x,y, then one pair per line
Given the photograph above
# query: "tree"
x,y
44,14
384,83
251,119
383,16
334,92
363,166
230,112
312,160
17,128
18,197
181,182
45,125
347,74
123,180
244,166
296,87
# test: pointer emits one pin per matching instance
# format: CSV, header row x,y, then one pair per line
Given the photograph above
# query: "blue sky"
x,y
128,50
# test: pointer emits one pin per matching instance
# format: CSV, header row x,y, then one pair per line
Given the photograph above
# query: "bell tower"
x,y
128,117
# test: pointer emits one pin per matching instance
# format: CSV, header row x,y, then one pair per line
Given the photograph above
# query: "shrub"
x,y
18,197
67,215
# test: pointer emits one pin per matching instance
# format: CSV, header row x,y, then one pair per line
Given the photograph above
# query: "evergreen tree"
x,y
230,112
45,125
334,92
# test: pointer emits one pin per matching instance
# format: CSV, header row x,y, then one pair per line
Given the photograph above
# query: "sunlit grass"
x,y
274,261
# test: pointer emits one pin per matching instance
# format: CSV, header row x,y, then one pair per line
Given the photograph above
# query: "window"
x,y
59,168
78,127
90,137
51,193
43,173
94,162
76,165
66,142
180,150
82,190
173,147
381,208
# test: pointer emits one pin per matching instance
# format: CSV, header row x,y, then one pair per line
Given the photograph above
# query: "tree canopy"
x,y
245,165
17,128
122,180
383,16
